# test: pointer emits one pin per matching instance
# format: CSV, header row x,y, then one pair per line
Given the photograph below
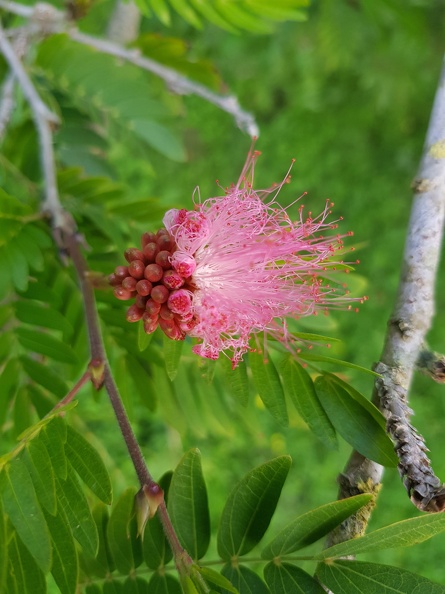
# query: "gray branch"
x,y
175,81
413,314
51,20
403,350
7,104
44,120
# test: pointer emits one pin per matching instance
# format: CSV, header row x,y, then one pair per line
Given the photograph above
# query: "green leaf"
x,y
155,548
237,380
39,465
268,385
361,399
21,505
113,587
37,314
188,505
53,437
300,387
164,584
144,339
172,350
305,356
47,345
213,577
244,579
286,578
401,534
78,514
3,548
143,384
103,558
354,423
8,380
313,525
250,507
25,576
135,585
121,530
355,577
88,464
65,565
45,377
160,138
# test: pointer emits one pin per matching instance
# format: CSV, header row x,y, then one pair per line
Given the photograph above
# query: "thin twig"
x,y
177,83
99,370
51,20
407,328
29,90
18,9
86,377
44,120
7,104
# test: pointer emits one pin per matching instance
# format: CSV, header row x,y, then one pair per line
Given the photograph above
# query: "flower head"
x,y
237,266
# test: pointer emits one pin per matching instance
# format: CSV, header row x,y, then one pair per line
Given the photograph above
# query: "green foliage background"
x,y
348,95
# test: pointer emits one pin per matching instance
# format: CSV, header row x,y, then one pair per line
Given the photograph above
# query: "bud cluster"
x,y
163,294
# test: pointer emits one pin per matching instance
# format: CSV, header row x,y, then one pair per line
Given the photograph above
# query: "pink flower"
x,y
247,266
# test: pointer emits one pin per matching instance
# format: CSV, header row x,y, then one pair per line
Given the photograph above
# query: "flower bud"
x,y
134,313
159,294
133,254
136,269
153,273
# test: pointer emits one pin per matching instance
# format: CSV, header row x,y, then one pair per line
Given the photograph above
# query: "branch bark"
x,y
409,323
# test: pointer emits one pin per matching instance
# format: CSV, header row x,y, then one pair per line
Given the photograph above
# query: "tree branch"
x,y
7,104
51,20
407,328
175,81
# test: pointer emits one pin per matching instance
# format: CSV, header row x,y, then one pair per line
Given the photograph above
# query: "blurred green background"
x,y
348,94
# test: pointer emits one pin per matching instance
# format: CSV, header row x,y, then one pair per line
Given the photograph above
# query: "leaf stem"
x,y
86,377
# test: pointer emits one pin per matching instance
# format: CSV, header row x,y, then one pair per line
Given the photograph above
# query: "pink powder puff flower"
x,y
249,266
